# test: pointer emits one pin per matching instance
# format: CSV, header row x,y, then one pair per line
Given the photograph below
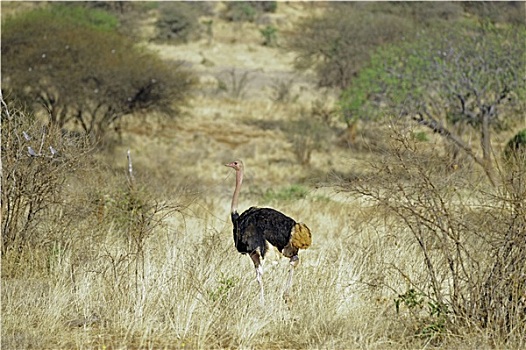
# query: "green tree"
x,y
85,73
179,20
338,43
459,77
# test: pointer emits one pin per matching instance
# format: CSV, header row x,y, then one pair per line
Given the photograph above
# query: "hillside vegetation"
x,y
395,131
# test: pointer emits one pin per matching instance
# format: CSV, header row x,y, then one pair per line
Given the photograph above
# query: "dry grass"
x,y
191,289
197,291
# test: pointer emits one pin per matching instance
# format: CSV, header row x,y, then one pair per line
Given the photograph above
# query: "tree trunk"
x,y
485,141
455,139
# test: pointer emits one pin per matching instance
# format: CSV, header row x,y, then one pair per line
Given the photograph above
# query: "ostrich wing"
x,y
257,225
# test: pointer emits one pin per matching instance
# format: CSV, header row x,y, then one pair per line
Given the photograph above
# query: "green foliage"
x,y
178,21
461,76
290,193
221,292
339,43
240,11
269,34
420,136
65,14
411,299
83,16
515,149
443,71
247,11
433,322
508,12
79,74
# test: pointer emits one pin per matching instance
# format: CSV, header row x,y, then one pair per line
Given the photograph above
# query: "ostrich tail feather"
x,y
301,236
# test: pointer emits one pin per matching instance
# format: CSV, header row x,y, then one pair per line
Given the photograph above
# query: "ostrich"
x,y
257,226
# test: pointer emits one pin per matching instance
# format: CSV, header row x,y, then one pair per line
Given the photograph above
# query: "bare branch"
x,y
131,178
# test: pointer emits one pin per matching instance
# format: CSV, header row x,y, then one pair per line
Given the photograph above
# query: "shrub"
x,y
36,162
83,75
431,80
236,82
178,21
307,134
338,43
282,91
290,193
247,11
83,16
470,243
516,147
269,35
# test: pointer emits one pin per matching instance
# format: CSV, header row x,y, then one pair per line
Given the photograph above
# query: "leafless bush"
x,y
470,241
282,91
236,84
307,133
138,213
36,161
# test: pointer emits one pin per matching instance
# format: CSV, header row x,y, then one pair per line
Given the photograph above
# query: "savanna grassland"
x,y
409,250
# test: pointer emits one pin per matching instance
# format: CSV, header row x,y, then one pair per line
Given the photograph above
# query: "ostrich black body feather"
x,y
256,226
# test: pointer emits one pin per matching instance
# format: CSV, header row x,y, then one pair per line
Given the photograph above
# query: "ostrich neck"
x,y
239,180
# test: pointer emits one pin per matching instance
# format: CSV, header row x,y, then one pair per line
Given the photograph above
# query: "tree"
x,y
179,20
338,43
79,70
462,76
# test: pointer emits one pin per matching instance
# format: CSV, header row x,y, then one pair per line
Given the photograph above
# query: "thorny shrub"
x,y
36,161
470,241
138,213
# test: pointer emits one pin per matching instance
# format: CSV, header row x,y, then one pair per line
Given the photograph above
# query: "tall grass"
x,y
196,291
136,267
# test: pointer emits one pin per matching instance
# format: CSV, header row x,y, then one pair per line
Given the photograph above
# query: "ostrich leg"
x,y
293,263
259,274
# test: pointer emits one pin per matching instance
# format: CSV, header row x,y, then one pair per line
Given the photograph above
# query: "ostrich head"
x,y
237,165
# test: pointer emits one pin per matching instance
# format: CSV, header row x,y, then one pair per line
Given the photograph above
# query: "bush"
x,y
83,75
338,43
511,12
247,11
36,162
471,244
269,36
83,16
178,21
516,147
234,83
290,193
